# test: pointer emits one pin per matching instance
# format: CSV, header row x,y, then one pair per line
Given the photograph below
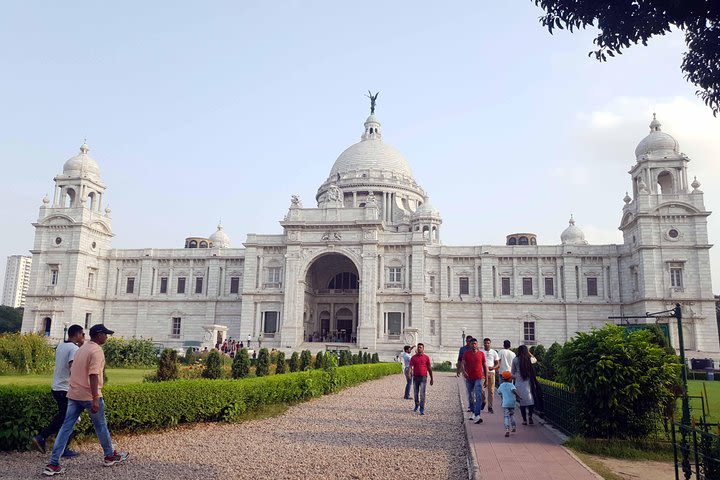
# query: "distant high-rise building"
x,y
17,280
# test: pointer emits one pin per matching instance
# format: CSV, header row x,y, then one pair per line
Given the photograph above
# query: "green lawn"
x,y
712,407
115,376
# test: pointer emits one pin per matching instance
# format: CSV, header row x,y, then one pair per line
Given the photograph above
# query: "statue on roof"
x,y
373,99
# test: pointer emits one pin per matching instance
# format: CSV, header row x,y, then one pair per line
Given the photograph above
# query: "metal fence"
x,y
696,448
560,406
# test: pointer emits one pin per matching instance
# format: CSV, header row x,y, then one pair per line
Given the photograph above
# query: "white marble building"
x,y
365,267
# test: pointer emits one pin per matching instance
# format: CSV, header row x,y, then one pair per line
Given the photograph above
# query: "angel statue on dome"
x,y
373,99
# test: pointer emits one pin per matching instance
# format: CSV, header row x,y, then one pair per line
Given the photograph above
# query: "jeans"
x,y
408,382
509,417
419,384
74,409
60,397
476,387
471,395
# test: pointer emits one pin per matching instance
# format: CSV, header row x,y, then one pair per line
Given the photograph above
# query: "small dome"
x,y
426,210
573,235
81,163
220,239
657,142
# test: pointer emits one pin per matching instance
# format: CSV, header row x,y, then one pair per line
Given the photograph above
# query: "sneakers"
x,y
513,430
469,409
416,408
70,453
422,410
51,470
490,410
116,457
39,443
478,420
507,434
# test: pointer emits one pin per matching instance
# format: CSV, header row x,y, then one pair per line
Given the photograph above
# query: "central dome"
x,y
657,142
82,163
371,155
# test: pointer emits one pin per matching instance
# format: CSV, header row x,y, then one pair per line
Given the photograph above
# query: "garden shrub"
x,y
539,353
190,356
167,366
360,357
25,353
280,365
241,364
213,366
319,360
305,359
294,362
152,406
623,382
262,365
550,364
345,358
273,356
355,360
366,357
129,352
375,358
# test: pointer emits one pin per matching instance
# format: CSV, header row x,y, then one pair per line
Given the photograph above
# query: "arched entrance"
x,y
47,324
332,287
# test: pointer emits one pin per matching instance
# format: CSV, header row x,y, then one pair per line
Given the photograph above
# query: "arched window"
x,y
665,182
533,241
523,241
70,198
91,200
192,244
344,281
203,244
47,324
512,241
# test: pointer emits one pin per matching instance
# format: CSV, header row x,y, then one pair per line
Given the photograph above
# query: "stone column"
x,y
366,334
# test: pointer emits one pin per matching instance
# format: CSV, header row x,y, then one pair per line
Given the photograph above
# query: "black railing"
x,y
560,406
696,449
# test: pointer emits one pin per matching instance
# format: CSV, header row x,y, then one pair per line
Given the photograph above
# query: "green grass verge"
x,y
712,405
627,449
115,376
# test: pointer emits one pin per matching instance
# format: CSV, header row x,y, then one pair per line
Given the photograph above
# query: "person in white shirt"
x,y
506,357
493,362
64,356
407,349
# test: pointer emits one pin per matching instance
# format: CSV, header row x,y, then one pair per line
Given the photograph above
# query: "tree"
x,y
167,366
241,364
305,358
280,364
624,383
10,319
294,362
213,365
319,360
625,22
262,365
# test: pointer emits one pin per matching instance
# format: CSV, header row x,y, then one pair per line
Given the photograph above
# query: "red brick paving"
x,y
534,452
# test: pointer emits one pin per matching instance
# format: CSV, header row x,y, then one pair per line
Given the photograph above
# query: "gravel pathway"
x,y
367,431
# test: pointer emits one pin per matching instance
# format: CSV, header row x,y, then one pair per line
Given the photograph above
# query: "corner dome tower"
x,y
82,164
657,143
373,166
220,239
573,235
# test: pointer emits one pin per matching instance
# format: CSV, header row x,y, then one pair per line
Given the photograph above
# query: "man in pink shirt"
x,y
86,381
420,368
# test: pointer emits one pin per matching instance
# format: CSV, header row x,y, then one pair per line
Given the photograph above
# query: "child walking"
x,y
508,393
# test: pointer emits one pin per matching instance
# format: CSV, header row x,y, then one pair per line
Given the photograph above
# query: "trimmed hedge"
x,y
151,406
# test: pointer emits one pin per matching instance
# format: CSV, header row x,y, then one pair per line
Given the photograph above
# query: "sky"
x,y
201,112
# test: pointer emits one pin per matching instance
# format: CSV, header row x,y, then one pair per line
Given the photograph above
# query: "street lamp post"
x,y
65,329
677,313
463,337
